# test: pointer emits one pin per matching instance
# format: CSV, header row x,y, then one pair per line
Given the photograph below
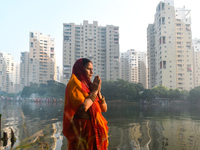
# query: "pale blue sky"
x,y
19,17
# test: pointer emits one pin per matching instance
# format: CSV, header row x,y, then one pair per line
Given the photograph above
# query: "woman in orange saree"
x,y
83,123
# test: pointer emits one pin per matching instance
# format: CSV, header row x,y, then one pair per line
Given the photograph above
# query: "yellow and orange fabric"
x,y
83,134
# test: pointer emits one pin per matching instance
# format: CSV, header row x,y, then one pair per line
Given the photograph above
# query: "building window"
x,y
66,75
164,64
189,68
159,21
161,65
66,38
31,35
163,20
163,40
66,27
163,6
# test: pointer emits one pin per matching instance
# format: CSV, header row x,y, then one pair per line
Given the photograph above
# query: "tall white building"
x,y
124,66
42,60
17,78
151,56
196,48
24,70
170,56
142,69
59,74
129,66
7,72
133,67
98,43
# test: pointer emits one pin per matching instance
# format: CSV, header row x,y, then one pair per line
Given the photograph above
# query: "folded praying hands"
x,y
96,85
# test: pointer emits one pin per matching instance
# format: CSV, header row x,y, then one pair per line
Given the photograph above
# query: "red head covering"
x,y
79,71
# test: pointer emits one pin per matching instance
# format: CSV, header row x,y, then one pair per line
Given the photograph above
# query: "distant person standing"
x,y
83,124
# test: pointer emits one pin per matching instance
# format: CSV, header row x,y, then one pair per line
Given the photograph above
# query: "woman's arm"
x,y
103,105
87,103
91,98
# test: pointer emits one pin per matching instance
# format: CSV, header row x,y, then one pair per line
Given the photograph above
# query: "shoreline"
x,y
113,101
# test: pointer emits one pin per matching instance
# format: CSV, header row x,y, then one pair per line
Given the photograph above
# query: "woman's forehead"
x,y
89,65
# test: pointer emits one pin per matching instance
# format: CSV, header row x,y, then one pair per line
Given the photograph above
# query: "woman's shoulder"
x,y
74,81
75,86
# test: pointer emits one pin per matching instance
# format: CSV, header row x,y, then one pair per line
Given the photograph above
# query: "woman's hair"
x,y
85,61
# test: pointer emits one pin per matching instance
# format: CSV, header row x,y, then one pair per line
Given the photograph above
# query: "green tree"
x,y
174,93
184,94
139,88
120,90
27,91
194,94
148,94
51,89
161,91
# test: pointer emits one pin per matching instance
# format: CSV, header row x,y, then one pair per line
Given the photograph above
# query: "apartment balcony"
x,y
77,41
180,79
180,70
116,36
180,84
90,38
90,56
179,56
180,51
116,31
179,61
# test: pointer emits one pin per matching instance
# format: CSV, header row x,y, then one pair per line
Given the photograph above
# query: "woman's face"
x,y
88,70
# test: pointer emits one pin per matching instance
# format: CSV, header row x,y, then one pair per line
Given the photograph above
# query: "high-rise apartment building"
x,y
142,69
17,77
124,67
133,67
151,56
100,44
59,74
24,70
129,66
196,48
7,72
42,60
170,56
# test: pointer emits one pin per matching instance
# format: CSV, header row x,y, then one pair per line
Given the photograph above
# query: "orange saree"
x,y
83,134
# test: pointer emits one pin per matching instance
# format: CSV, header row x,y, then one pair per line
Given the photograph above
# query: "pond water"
x,y
38,125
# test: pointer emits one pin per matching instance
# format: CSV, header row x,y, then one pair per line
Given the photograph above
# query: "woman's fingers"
x,y
96,80
96,85
100,85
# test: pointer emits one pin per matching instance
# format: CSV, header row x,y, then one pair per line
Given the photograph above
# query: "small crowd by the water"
x,y
44,99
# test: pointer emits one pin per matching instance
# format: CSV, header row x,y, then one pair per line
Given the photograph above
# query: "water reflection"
x,y
34,123
38,125
154,127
